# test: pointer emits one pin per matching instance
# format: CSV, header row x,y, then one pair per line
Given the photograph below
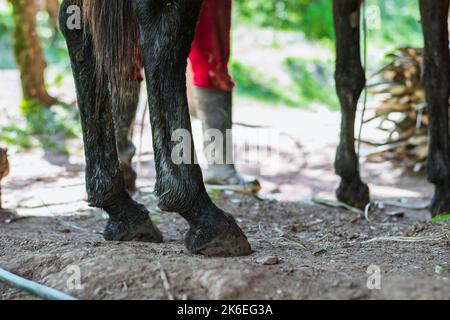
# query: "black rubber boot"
x,y
215,112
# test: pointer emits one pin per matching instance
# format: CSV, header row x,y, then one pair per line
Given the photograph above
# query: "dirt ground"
x,y
302,250
322,254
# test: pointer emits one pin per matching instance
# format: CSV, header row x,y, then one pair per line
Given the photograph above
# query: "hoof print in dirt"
x,y
230,241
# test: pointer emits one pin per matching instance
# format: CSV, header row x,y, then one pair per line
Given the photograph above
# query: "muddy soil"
x,y
323,254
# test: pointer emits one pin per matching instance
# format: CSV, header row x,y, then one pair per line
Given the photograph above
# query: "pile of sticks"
x,y
402,113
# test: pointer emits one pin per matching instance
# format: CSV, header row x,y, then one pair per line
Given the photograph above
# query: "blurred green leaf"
x,y
441,218
440,270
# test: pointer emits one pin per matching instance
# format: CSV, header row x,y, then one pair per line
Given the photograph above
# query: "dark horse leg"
x,y
124,113
437,86
104,179
350,81
166,33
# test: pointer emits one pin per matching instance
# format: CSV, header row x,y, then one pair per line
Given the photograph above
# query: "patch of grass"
x,y
253,84
215,194
313,81
13,135
441,218
439,270
55,121
44,127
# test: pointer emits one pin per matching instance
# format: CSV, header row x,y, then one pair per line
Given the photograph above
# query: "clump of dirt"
x,y
314,252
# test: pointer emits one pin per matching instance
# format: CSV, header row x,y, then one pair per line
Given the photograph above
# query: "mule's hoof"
x,y
134,224
440,204
230,241
141,229
354,193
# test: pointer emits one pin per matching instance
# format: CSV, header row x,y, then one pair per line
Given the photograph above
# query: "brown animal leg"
x,y
437,86
350,81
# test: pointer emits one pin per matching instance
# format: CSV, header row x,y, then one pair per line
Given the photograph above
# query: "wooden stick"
x,y
166,283
335,204
33,288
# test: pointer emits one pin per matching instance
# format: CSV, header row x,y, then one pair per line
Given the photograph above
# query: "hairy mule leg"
x,y
166,34
437,86
124,113
350,81
104,179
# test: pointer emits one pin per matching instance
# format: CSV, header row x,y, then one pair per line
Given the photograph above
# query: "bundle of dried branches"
x,y
402,112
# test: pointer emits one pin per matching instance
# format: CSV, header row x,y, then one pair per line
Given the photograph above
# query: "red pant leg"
x,y
210,52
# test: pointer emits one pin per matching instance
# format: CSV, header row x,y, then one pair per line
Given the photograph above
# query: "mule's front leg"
x,y
437,86
104,179
167,30
350,81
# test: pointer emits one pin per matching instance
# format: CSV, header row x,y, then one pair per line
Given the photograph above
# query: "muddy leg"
x,y
166,36
124,115
437,86
104,179
350,81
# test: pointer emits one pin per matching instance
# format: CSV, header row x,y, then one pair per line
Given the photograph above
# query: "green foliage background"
x,y
310,16
314,17
312,79
400,23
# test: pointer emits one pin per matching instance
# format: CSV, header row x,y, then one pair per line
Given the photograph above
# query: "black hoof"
x,y
130,221
441,202
354,193
218,235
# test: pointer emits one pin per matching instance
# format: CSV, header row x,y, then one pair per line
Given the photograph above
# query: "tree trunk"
x,y
28,53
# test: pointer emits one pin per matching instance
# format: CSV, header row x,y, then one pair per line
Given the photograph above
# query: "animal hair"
x,y
112,28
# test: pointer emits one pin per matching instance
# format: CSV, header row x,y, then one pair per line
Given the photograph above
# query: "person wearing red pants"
x,y
213,87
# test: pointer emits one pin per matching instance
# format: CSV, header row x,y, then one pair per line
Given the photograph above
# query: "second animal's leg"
x,y
350,81
124,115
436,80
167,32
105,185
